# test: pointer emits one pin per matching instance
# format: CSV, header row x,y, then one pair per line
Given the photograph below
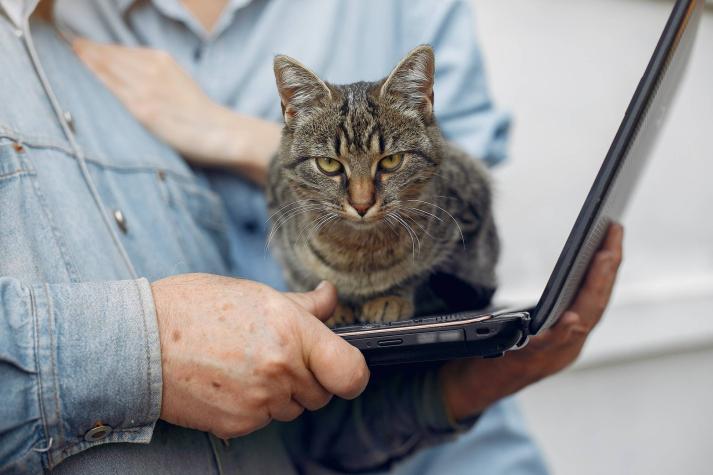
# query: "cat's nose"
x,y
361,194
362,208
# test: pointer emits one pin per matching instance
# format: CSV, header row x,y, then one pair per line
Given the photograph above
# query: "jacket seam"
x,y
149,380
69,268
40,392
96,158
53,343
16,173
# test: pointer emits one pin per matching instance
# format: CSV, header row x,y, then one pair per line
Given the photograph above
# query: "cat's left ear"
x,y
300,89
410,84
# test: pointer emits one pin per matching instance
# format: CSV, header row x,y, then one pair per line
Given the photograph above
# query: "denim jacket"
x,y
92,209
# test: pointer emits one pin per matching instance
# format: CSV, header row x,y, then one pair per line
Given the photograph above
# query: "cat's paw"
x,y
387,309
342,315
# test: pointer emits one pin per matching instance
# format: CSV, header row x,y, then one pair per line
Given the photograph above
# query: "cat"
x,y
366,193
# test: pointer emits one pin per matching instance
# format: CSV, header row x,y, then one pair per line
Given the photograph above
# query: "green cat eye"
x,y
391,162
329,166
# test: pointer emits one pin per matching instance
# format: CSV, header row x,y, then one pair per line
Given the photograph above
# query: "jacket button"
x,y
120,221
70,120
97,433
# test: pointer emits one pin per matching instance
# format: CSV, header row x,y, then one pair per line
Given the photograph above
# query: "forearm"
x,y
74,357
238,142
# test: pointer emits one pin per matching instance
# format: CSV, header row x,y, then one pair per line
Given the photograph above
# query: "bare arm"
x,y
169,103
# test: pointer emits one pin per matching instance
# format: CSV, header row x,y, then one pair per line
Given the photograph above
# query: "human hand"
x,y
161,95
470,386
236,354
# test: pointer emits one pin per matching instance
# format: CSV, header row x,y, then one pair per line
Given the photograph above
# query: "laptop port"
x,y
391,342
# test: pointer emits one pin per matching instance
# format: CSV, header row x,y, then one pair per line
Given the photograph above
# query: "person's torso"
x,y
156,218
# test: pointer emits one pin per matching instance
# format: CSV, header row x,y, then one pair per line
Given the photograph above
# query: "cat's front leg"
x,y
388,308
343,315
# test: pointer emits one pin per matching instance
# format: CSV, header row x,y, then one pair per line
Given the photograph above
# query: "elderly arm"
x,y
168,102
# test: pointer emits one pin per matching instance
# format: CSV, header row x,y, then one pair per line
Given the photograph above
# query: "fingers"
x,y
114,64
594,295
286,411
308,392
320,302
338,366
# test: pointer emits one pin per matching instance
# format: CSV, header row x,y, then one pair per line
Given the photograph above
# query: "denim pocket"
x,y
12,161
31,250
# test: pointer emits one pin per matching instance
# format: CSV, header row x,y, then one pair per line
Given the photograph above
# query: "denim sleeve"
x,y
463,104
400,412
74,357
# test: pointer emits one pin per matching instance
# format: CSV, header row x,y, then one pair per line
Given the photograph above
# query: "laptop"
x,y
490,334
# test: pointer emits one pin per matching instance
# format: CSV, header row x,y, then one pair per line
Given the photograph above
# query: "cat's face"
x,y
364,150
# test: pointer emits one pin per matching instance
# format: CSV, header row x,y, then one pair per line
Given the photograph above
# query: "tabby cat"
x,y
366,193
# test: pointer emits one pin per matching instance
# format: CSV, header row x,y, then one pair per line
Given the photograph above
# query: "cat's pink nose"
x,y
362,208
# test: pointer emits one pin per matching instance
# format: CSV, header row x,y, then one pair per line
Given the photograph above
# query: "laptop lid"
x,y
618,175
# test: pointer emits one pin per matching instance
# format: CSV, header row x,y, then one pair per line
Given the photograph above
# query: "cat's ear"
x,y
410,84
300,89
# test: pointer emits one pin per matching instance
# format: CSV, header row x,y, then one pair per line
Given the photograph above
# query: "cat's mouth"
x,y
362,214
363,221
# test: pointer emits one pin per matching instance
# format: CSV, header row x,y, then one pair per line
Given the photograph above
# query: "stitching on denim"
x,y
19,172
31,139
98,159
71,271
117,436
53,343
41,399
148,351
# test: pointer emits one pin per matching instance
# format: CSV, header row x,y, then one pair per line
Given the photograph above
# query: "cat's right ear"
x,y
300,89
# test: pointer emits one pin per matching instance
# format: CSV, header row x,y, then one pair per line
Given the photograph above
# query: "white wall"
x,y
640,401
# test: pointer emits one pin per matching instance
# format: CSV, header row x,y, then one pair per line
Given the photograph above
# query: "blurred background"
x,y
640,399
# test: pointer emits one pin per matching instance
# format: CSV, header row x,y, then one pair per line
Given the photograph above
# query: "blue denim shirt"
x,y
93,208
341,40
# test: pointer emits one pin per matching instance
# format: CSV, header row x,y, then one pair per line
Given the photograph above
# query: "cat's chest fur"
x,y
364,262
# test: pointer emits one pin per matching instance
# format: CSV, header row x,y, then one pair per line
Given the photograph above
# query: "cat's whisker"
x,y
280,221
387,221
425,231
323,225
413,244
462,238
419,210
312,226
412,234
288,205
295,211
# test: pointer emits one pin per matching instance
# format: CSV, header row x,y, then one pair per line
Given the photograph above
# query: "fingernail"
x,y
321,284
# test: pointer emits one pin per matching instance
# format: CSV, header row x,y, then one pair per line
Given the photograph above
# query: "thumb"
x,y
320,302
338,366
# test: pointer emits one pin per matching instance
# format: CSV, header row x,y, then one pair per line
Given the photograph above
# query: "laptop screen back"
x,y
618,175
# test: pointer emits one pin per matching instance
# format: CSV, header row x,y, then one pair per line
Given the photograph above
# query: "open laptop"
x,y
475,333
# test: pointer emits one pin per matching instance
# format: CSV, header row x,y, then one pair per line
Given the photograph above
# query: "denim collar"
x,y
18,11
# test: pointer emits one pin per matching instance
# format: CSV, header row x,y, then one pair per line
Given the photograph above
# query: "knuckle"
x,y
618,258
276,364
319,401
602,258
358,377
225,430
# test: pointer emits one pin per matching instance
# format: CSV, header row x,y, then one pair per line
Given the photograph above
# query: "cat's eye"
x,y
329,166
391,163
